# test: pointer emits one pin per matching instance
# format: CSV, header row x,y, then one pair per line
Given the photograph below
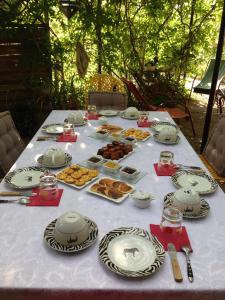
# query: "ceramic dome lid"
x,y
185,195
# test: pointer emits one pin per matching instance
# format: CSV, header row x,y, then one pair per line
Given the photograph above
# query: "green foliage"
x,y
121,36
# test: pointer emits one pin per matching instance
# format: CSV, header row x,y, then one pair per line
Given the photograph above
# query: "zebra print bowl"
x,y
131,252
49,238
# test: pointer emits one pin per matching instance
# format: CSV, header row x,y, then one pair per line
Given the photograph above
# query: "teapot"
x,y
76,118
54,156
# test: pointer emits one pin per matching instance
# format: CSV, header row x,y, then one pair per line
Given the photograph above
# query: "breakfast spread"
x,y
138,134
77,176
115,151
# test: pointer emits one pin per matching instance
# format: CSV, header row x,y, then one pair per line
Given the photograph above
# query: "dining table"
x,y
30,269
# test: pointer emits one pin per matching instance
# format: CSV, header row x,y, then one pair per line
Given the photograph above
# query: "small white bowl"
x,y
129,140
142,199
71,229
111,170
101,133
94,161
129,172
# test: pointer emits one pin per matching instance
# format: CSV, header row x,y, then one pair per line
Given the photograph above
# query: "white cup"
x,y
71,229
131,112
142,199
75,118
167,134
187,201
54,156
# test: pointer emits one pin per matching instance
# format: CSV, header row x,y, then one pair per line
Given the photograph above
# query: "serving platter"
x,y
53,128
118,160
136,134
156,138
131,252
49,238
201,183
68,159
77,176
157,126
24,178
109,189
204,210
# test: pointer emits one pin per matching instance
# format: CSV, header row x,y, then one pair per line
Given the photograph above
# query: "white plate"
x,y
157,126
166,142
108,113
204,210
131,252
53,128
68,159
122,115
80,124
119,200
24,178
201,183
49,238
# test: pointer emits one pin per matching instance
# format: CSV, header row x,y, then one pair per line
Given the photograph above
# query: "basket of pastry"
x,y
111,128
115,151
111,189
77,176
138,134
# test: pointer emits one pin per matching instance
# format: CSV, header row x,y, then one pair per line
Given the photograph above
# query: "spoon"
x,y
187,251
22,200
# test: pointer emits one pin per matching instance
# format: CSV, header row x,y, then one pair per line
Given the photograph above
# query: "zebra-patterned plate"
x,y
49,238
53,128
24,178
201,183
167,142
131,252
204,210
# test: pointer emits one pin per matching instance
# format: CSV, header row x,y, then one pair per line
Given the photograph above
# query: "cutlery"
x,y
187,251
175,264
46,138
191,168
22,200
26,194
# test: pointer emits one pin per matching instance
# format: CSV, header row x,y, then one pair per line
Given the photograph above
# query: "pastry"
x,y
122,187
94,187
114,193
106,182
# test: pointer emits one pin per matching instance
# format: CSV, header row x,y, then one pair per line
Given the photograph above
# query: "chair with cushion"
x,y
11,144
106,91
214,153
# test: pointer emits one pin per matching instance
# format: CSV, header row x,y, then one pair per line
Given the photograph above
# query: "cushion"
x,y
215,148
112,100
11,144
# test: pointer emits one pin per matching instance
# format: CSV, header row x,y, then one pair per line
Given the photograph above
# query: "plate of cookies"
x,y
111,189
139,134
77,176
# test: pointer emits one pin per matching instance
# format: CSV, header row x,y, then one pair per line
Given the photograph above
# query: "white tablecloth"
x,y
30,270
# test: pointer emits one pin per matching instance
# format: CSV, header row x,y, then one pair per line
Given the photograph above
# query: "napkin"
x,y
165,170
178,239
39,201
91,117
144,124
66,138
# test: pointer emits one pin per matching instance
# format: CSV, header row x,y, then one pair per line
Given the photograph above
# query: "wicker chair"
x,y
11,144
104,90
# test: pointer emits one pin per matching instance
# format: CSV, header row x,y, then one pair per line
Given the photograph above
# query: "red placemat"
x,y
166,170
144,124
91,117
39,201
178,239
66,138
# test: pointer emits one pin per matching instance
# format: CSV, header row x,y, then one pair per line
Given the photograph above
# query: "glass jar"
x,y
166,159
48,188
171,221
92,110
68,128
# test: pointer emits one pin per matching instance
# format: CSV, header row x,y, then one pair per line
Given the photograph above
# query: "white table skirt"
x,y
31,270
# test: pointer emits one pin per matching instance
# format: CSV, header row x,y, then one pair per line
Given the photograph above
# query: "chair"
x,y
104,90
214,153
11,144
176,110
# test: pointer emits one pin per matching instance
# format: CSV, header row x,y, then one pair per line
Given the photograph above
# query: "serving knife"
x,y
25,194
46,138
175,264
